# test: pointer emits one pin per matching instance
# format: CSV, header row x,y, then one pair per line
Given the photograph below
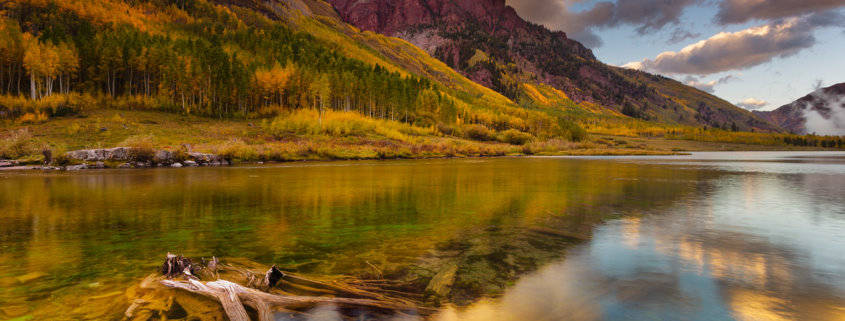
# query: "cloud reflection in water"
x,y
763,243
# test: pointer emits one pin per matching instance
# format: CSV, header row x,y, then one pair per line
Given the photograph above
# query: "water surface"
x,y
743,236
763,241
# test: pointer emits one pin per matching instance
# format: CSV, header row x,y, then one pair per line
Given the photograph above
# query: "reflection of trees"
x,y
323,218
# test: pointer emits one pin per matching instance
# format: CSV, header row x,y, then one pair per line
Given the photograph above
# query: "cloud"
x,y
833,123
739,11
646,15
679,35
742,49
709,86
752,104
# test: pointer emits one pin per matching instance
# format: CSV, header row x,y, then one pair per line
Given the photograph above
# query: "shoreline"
x,y
74,168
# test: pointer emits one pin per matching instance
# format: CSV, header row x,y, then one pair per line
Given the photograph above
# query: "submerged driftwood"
x,y
239,293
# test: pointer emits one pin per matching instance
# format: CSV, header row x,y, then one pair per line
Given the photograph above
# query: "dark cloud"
x,y
752,104
710,86
645,15
649,15
742,49
739,11
680,35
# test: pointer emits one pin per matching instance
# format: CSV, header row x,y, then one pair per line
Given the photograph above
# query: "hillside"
x,y
821,112
239,59
489,43
290,80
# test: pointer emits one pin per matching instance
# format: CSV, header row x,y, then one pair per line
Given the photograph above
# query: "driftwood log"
x,y
246,295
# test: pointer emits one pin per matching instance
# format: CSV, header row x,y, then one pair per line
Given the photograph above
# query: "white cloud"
x,y
709,86
833,123
752,104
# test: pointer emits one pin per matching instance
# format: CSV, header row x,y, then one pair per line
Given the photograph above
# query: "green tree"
x,y
321,89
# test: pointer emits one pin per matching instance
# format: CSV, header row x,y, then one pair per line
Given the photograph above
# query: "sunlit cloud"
x,y
709,86
741,49
752,104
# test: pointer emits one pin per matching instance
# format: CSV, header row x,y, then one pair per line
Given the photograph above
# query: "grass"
x,y
298,136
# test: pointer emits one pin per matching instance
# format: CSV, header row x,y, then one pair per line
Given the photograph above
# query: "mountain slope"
x,y
821,112
489,43
242,59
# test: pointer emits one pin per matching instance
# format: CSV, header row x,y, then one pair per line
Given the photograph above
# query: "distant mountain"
x,y
488,42
821,112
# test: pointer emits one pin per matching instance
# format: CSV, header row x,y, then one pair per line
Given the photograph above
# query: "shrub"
x,y
17,107
18,144
478,132
448,129
548,146
573,131
515,137
237,149
60,156
141,148
33,118
181,154
340,124
301,122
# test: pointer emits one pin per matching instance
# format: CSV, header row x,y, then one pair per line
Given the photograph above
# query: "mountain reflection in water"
x,y
762,243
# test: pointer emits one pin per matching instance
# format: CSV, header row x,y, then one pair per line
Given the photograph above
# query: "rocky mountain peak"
x,y
391,17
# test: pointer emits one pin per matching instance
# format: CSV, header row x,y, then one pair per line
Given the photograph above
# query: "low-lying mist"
x,y
817,123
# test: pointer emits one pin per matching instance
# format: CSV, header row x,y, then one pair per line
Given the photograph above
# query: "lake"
x,y
711,236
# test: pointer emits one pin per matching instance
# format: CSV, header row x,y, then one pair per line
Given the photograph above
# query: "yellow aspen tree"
x,y
68,65
321,89
42,63
281,76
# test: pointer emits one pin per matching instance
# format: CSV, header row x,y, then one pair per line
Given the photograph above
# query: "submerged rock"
x,y
442,282
77,167
124,165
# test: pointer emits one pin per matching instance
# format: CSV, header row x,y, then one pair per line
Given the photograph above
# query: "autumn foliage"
x,y
201,58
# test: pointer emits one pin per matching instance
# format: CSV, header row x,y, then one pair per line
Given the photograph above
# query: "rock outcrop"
x,y
112,154
123,154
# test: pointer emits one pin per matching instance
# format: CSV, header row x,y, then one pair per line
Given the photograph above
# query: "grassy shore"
x,y
330,136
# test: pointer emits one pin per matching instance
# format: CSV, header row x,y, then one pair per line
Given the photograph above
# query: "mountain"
x,y
821,112
239,59
488,42
471,69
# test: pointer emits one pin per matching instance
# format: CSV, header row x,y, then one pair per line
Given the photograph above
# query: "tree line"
x,y
221,64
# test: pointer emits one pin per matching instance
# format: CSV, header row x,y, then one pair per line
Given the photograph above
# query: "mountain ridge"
x,y
488,42
794,116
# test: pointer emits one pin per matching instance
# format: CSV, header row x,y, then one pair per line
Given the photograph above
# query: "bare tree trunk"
x,y
32,86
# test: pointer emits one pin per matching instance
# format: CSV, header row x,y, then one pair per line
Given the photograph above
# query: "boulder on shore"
x,y
102,154
161,157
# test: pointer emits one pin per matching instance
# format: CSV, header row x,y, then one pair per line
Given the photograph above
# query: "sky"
x,y
757,54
